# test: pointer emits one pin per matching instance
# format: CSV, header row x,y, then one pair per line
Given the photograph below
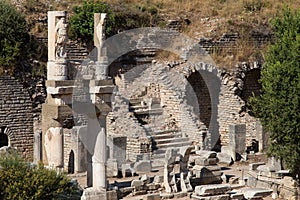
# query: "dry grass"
x,y
209,19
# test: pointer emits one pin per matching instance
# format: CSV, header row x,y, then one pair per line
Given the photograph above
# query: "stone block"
x,y
152,197
112,168
202,161
94,194
180,195
233,180
214,189
145,179
265,168
237,196
225,158
254,166
137,184
158,179
216,197
210,168
289,182
251,193
237,138
207,154
153,186
142,166
275,163
112,195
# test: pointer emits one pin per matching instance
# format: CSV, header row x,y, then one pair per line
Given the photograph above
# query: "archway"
x,y
4,141
203,96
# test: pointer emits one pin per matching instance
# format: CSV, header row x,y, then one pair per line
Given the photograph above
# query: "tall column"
x,y
57,39
99,157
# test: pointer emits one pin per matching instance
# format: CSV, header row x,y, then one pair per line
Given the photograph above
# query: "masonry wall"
x,y
16,115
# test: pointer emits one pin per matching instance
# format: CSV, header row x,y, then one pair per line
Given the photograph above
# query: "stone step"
x,y
161,132
166,135
175,144
171,140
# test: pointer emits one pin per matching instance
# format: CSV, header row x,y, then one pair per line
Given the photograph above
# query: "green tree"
x,y
278,106
13,36
21,181
82,22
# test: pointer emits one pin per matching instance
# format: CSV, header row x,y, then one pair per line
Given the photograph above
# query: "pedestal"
x,y
57,70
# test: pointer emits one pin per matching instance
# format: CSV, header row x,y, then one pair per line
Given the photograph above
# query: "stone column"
x,y
99,157
57,39
54,147
101,60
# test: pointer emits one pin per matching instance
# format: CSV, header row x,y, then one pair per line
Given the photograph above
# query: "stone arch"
x,y
16,115
211,79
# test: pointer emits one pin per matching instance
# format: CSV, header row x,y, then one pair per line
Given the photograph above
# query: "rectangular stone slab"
x,y
214,189
217,197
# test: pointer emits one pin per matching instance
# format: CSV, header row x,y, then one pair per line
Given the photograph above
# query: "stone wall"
x,y
16,116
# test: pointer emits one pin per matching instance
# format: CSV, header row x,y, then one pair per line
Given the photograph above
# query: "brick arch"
x,y
209,78
16,115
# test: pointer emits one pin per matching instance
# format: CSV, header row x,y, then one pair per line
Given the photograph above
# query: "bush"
x,y
13,36
21,181
82,22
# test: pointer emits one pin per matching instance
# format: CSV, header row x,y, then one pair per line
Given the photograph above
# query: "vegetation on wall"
x,y
278,106
21,181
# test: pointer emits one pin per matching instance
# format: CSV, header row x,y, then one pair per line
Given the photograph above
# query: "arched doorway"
x,y
3,138
203,96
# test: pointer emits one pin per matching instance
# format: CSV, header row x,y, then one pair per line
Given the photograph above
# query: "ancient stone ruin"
x,y
124,113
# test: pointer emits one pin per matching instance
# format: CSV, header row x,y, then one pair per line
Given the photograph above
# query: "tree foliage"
x,y
278,106
21,181
13,35
82,22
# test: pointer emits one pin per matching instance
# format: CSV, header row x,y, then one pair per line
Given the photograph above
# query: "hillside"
x,y
205,20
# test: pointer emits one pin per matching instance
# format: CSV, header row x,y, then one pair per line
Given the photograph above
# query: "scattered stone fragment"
x,y
254,166
152,197
145,179
225,158
158,179
213,189
251,193
216,197
206,154
137,184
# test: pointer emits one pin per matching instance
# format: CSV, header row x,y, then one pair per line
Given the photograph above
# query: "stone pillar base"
x,y
57,70
94,194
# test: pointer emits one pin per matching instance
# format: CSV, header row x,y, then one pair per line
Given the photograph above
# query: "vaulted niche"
x,y
202,93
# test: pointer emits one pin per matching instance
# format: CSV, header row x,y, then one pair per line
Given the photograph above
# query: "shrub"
x,y
82,22
21,181
13,36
